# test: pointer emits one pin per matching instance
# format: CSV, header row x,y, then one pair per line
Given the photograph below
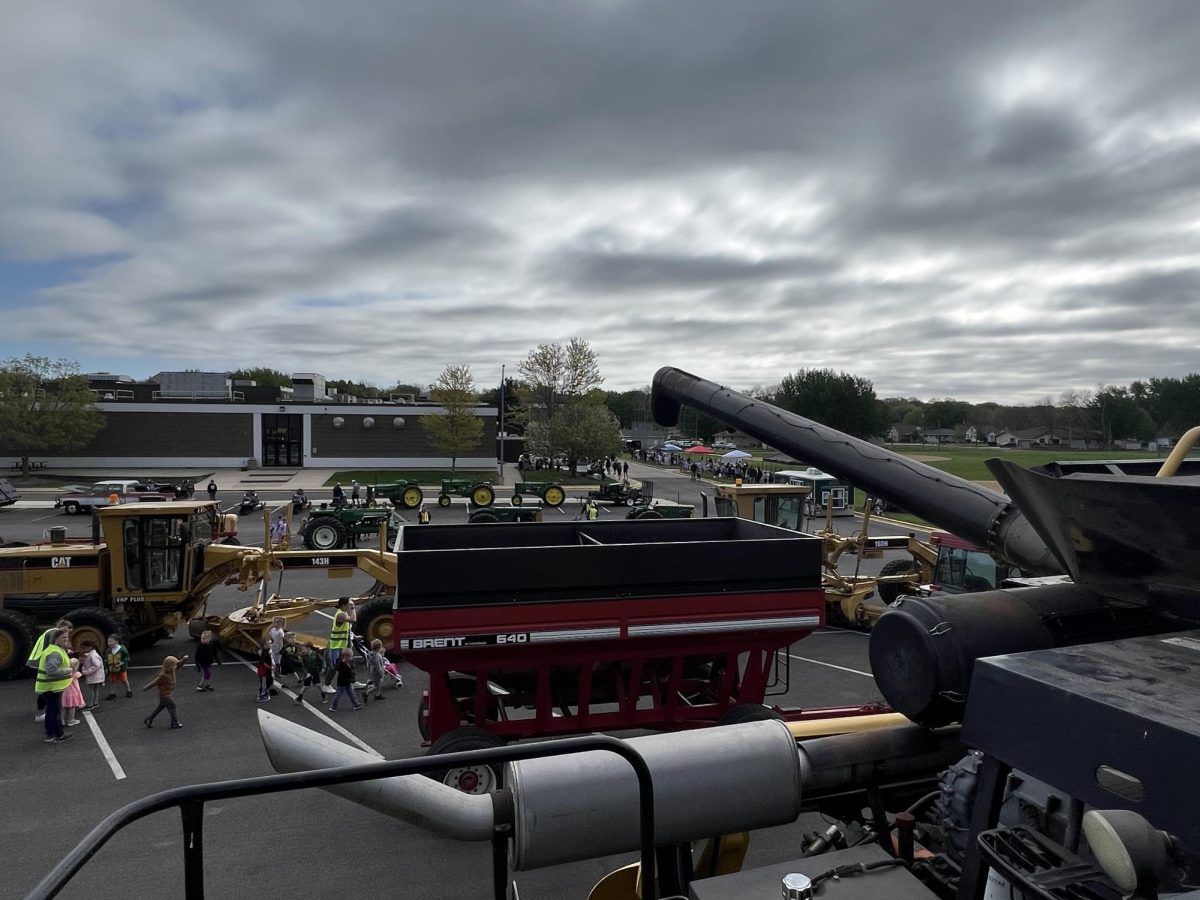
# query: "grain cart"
x,y
550,493
480,493
334,528
567,627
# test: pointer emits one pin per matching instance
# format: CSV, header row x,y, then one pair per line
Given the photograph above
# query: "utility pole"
x,y
502,423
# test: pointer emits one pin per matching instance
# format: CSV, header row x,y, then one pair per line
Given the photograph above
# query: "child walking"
x,y
264,671
206,657
345,681
313,663
72,698
375,665
289,660
92,668
165,682
117,662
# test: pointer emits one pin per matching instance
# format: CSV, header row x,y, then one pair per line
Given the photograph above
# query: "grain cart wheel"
x,y
443,500
483,495
91,623
472,779
16,640
889,592
411,497
554,495
375,622
325,533
648,514
747,712
517,499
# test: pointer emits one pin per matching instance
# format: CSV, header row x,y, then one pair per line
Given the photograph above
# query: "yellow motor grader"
x,y
147,568
945,562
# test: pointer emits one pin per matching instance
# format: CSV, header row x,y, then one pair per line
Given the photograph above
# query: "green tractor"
x,y
619,493
406,494
505,514
550,493
480,493
327,528
645,507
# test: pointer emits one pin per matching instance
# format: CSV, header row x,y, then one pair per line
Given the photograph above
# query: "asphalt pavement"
x,y
305,842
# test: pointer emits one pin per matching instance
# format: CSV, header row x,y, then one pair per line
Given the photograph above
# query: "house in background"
x,y
901,433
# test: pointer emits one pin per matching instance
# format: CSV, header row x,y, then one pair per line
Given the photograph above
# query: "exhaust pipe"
x,y
415,799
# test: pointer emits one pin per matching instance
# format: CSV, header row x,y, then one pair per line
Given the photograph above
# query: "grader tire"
x,y
16,641
92,623
554,495
375,622
483,495
889,592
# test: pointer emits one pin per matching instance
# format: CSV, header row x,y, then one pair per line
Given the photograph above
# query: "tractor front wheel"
x,y
443,500
517,499
554,495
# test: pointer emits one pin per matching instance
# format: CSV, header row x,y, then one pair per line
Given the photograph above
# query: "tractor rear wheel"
x,y
483,515
889,592
517,499
648,514
483,495
411,497
443,500
16,641
375,623
470,779
554,495
93,623
325,533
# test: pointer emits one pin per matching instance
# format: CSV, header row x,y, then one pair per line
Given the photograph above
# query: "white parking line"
x,y
830,665
102,743
353,738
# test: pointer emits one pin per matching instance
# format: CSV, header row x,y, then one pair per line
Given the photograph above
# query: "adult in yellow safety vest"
x,y
35,659
339,637
54,677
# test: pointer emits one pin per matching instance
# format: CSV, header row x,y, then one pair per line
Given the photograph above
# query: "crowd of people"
x,y
70,681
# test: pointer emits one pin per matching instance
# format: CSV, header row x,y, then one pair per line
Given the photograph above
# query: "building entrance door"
x,y
282,434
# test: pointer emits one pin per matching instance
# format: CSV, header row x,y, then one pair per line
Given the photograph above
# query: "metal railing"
x,y
190,801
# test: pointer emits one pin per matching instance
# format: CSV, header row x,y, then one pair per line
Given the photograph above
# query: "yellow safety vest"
x,y
46,684
339,635
39,648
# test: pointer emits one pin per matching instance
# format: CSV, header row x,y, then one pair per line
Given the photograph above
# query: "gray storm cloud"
x,y
995,202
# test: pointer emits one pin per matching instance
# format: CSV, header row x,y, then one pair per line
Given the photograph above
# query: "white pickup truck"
x,y
102,492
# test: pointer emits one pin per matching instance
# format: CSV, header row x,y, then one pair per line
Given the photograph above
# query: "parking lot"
x,y
305,841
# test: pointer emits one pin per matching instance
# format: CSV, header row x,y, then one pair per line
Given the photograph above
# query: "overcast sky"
x,y
985,201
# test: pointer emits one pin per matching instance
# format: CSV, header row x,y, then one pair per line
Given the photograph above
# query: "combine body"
x,y
569,627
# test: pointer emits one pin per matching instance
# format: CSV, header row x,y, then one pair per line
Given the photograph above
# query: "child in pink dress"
x,y
72,698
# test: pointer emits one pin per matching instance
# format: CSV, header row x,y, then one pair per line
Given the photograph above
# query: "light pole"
x,y
502,424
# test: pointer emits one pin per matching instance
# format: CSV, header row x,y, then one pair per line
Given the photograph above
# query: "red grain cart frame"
x,y
566,627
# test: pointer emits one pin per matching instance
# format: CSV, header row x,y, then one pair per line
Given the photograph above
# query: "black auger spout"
x,y
975,513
